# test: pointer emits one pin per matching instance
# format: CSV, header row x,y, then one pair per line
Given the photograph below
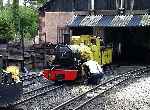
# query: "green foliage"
x,y
41,1
1,3
28,21
25,21
7,28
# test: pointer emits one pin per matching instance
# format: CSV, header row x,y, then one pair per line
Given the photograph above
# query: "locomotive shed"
x,y
126,24
128,34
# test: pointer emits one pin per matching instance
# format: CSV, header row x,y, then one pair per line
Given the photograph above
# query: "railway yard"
x,y
81,55
120,89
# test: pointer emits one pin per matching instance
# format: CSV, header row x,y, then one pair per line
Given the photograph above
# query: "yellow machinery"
x,y
14,70
93,49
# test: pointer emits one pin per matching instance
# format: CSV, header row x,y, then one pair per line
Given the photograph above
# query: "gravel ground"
x,y
55,98
37,83
69,92
133,95
122,69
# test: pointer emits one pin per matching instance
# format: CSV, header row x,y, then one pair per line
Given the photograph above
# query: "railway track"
x,y
44,86
28,80
30,77
36,93
81,100
30,84
34,83
51,98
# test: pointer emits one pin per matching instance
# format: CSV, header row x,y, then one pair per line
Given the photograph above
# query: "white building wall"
x,y
21,2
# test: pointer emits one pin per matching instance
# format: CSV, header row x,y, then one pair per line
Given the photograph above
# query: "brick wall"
x,y
52,21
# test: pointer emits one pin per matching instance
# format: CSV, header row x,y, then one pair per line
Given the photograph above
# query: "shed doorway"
x,y
131,45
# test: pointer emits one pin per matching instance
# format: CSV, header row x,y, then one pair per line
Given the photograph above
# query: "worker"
x,y
95,71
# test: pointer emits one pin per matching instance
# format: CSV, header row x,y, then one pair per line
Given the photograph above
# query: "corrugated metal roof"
x,y
105,21
75,21
91,20
121,21
71,21
110,21
145,21
135,21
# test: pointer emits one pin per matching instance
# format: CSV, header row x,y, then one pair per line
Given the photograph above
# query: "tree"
x,y
1,3
8,3
17,20
28,21
7,28
15,9
37,3
25,19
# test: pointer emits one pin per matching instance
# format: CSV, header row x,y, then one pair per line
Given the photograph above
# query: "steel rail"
x,y
29,77
33,81
113,79
26,85
35,90
35,96
94,97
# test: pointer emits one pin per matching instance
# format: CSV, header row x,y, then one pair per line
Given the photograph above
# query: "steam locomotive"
x,y
69,59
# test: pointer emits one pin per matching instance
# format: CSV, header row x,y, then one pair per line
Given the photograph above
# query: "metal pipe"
x,y
122,4
22,43
131,4
117,4
92,5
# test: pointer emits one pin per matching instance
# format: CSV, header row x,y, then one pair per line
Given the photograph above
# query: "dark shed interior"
x,y
134,44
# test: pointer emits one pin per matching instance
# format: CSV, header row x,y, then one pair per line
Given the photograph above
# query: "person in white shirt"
x,y
95,71
94,67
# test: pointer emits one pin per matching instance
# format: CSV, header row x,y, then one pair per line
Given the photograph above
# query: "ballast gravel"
x,y
134,95
49,100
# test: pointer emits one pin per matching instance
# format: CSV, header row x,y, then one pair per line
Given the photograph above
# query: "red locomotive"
x,y
65,65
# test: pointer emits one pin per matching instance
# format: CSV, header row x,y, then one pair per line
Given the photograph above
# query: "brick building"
x,y
55,14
